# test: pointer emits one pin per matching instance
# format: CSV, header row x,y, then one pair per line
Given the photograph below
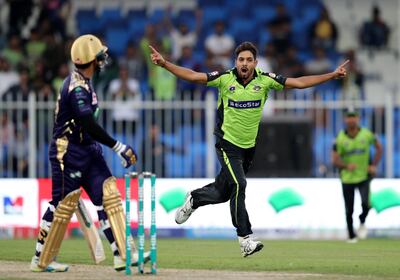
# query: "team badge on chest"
x,y
256,88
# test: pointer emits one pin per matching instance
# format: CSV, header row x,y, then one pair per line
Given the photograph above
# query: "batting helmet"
x,y
88,48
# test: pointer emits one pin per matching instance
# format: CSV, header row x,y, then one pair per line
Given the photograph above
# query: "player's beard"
x,y
352,125
244,73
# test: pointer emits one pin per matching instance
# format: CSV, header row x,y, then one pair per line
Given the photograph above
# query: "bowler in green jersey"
x,y
351,154
243,91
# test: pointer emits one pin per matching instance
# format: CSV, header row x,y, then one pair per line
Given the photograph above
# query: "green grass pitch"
x,y
369,258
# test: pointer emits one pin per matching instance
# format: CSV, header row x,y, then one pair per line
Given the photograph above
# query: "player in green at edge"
x,y
351,154
243,91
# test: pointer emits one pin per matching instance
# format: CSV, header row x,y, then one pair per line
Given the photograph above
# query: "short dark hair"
x,y
246,46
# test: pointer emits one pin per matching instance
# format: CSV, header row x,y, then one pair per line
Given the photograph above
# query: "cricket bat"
x,y
90,232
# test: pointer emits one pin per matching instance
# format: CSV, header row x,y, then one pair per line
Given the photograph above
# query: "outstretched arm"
x,y
309,81
181,72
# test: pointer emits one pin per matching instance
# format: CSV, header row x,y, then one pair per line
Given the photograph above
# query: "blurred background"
x,y
170,122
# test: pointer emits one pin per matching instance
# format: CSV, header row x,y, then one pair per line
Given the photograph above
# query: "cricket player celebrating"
x,y
76,160
243,91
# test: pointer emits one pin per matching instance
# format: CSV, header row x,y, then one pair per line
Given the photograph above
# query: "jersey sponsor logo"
x,y
244,104
232,88
355,152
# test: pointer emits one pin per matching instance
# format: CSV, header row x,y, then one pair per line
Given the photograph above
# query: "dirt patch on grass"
x,y
20,270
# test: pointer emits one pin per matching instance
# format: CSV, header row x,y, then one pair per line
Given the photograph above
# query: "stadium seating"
x,y
117,39
244,30
87,21
213,13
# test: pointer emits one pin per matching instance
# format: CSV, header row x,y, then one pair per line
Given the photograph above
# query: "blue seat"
x,y
136,27
366,116
244,30
311,13
263,14
190,132
382,167
300,34
304,55
397,119
197,153
87,21
109,16
189,21
309,2
44,151
157,16
186,14
292,6
396,164
117,40
262,2
212,14
237,5
207,3
177,166
136,14
264,37
170,139
199,55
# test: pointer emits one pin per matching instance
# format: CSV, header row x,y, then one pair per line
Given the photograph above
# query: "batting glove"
x,y
126,153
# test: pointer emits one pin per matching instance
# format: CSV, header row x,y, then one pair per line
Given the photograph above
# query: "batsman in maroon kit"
x,y
77,160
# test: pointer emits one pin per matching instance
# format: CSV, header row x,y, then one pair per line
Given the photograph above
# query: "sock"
x,y
241,239
44,229
106,228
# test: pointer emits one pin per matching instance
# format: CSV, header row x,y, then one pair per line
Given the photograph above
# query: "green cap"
x,y
351,112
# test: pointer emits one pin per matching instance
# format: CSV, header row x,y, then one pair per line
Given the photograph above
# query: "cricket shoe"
x,y
362,232
119,263
52,267
249,246
183,213
352,240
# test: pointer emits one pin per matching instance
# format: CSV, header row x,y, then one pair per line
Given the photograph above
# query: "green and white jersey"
x,y
240,106
354,150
